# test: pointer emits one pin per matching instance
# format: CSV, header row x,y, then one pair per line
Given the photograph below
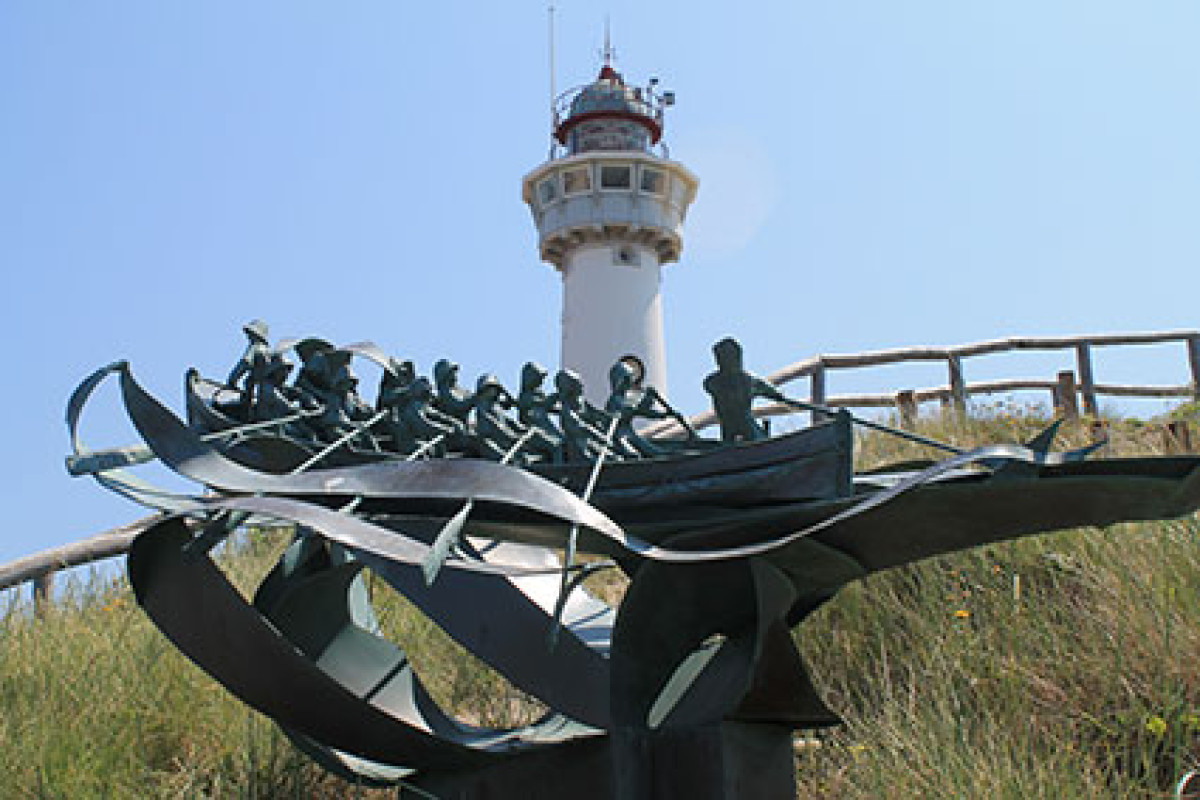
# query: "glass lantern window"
x,y
653,181
548,190
576,180
615,176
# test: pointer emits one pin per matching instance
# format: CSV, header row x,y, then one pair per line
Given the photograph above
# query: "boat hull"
x,y
814,463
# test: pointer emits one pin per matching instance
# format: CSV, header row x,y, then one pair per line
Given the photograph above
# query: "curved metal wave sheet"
x,y
113,477
504,627
447,480
671,615
358,696
441,479
480,604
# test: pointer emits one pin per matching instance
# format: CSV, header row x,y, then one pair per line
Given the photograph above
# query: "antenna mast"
x,y
607,53
553,93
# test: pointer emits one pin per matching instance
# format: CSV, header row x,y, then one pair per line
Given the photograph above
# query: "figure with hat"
x,y
326,382
628,401
414,421
733,391
534,407
495,434
394,383
583,425
394,386
451,398
271,393
250,369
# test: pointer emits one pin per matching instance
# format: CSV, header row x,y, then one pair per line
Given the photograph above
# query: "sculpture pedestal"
x,y
725,761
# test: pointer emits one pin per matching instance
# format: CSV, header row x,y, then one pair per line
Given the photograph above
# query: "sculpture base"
x,y
580,770
727,761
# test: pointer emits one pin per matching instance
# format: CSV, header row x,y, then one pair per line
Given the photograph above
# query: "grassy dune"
x,y
1058,667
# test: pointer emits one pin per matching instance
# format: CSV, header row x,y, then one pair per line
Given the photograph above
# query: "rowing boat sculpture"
x,y
691,688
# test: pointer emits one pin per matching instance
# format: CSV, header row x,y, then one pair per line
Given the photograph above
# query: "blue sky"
x,y
873,174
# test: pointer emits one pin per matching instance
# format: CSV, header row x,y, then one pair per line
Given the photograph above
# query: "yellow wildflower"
x,y
1157,726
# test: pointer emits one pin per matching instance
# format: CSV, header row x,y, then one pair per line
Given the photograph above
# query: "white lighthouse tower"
x,y
609,213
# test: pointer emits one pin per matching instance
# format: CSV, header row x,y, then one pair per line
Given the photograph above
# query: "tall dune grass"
x,y
1059,667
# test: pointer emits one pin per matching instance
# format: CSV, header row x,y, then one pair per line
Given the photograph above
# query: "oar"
x,y
340,442
426,447
102,460
225,523
573,535
450,532
866,423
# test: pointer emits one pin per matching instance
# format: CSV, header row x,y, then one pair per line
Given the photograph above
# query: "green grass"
x,y
1060,667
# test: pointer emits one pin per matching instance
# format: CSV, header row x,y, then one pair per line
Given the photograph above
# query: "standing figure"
x,y
451,398
733,390
250,369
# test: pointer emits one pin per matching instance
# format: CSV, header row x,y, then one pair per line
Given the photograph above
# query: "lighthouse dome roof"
x,y
609,96
609,93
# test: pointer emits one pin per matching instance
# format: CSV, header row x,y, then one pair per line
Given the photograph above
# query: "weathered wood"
x,y
1065,395
906,407
1087,380
818,391
958,386
1121,390
1177,437
1193,349
924,353
817,367
43,592
111,543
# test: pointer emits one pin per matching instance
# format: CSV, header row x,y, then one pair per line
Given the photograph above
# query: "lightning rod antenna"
x,y
607,54
553,92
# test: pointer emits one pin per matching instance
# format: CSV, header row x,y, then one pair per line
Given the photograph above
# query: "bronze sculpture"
x,y
691,688
733,391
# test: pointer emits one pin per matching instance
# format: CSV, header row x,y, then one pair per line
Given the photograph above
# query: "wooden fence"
x,y
1067,389
41,568
1070,390
957,390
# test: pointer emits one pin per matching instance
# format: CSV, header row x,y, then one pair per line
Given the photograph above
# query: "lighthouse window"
x,y
615,176
653,181
576,180
548,190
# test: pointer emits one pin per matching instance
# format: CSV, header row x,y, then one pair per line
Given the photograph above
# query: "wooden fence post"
x,y
1065,395
1193,346
1087,381
906,406
43,593
958,386
817,393
1177,437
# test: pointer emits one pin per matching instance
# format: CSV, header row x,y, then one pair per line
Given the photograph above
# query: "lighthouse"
x,y
609,207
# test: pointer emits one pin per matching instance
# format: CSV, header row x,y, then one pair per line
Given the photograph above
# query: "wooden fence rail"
x,y
41,568
958,390
1066,389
